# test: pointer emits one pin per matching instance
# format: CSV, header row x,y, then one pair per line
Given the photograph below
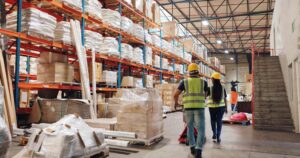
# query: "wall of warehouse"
x,y
285,41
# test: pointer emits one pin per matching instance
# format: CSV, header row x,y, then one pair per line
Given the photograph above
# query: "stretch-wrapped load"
x,y
165,63
111,17
148,37
140,112
166,45
63,32
77,4
127,51
167,91
179,68
188,57
138,55
126,25
34,23
156,40
109,76
157,61
128,81
138,31
138,82
93,40
178,51
149,81
109,46
93,8
148,55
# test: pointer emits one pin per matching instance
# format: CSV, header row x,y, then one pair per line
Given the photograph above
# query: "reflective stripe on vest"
x,y
211,103
193,96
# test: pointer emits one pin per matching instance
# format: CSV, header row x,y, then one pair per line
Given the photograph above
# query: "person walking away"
x,y
217,106
233,99
194,89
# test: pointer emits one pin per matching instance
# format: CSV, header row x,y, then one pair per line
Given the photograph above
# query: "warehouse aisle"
x,y
237,142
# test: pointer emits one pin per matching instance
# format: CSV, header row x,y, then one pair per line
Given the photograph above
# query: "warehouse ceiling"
x,y
221,25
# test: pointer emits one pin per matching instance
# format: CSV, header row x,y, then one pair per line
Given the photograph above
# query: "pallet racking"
x,y
27,45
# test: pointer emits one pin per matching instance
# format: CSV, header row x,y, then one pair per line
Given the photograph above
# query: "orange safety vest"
x,y
234,97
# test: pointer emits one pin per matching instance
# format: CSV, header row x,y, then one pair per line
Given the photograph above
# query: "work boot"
x,y
198,153
193,150
219,140
214,138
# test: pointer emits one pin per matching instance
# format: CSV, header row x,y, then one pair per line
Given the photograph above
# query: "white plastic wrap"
x,y
148,55
93,8
138,82
188,57
157,61
126,25
179,68
109,76
111,17
178,51
63,32
148,37
165,63
93,40
109,46
166,45
34,22
5,138
127,51
138,55
138,31
77,4
156,40
149,81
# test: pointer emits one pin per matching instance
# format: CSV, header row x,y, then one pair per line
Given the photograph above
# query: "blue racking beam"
x,y
120,52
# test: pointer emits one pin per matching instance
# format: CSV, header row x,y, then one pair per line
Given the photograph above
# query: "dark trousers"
x,y
216,116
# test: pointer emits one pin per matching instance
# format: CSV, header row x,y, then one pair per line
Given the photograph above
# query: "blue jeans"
x,y
216,116
233,107
196,118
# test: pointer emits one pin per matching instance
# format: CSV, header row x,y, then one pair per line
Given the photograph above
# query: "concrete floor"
x,y
237,142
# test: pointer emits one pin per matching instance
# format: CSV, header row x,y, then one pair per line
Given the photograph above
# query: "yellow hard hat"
x,y
216,75
193,67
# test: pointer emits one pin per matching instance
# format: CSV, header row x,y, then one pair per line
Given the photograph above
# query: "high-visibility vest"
x,y
193,96
212,104
234,97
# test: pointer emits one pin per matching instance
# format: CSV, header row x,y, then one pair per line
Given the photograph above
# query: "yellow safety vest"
x,y
193,96
212,104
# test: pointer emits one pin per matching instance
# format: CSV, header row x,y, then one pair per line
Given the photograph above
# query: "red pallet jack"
x,y
183,139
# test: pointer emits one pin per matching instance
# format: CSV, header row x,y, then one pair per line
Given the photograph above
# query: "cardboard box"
x,y
138,4
24,98
55,72
169,29
98,67
128,81
188,45
156,13
49,57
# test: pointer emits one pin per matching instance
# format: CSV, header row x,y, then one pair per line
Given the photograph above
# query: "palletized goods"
x,y
127,51
127,25
93,8
148,55
109,76
111,17
138,31
109,46
93,40
156,40
63,32
138,55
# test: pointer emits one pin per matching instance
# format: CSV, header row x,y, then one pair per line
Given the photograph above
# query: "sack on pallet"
x,y
76,4
127,51
156,13
93,40
109,46
109,77
138,82
149,81
93,8
138,31
34,22
126,25
68,137
108,110
128,81
138,55
5,137
148,37
111,17
156,40
63,33
148,55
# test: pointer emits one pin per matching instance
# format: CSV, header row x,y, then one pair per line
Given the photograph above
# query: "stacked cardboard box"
x,y
148,8
54,67
169,29
128,81
156,13
222,69
109,109
109,76
141,112
149,81
167,91
215,61
98,70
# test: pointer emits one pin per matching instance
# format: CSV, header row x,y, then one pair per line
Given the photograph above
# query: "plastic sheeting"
x,y
148,37
138,31
63,32
111,17
156,40
93,8
5,138
127,51
34,22
138,55
93,40
109,76
109,46
77,4
69,137
126,25
148,55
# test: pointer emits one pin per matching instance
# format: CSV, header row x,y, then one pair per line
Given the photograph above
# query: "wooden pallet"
x,y
107,84
145,142
244,123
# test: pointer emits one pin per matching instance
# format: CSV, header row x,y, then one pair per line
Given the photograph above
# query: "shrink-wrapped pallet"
x,y
188,56
138,82
167,93
109,76
166,45
148,55
170,29
165,63
138,31
178,51
5,138
111,17
93,8
63,32
149,81
34,22
156,13
215,61
127,25
93,40
108,110
156,40
127,51
138,55
128,81
68,137
109,46
140,112
148,37
156,61
76,4
55,72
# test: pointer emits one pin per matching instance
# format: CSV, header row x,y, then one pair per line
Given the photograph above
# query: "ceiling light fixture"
x,y
226,51
205,22
231,58
219,41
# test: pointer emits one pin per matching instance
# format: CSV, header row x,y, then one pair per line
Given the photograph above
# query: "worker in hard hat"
x,y
217,106
194,89
233,99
